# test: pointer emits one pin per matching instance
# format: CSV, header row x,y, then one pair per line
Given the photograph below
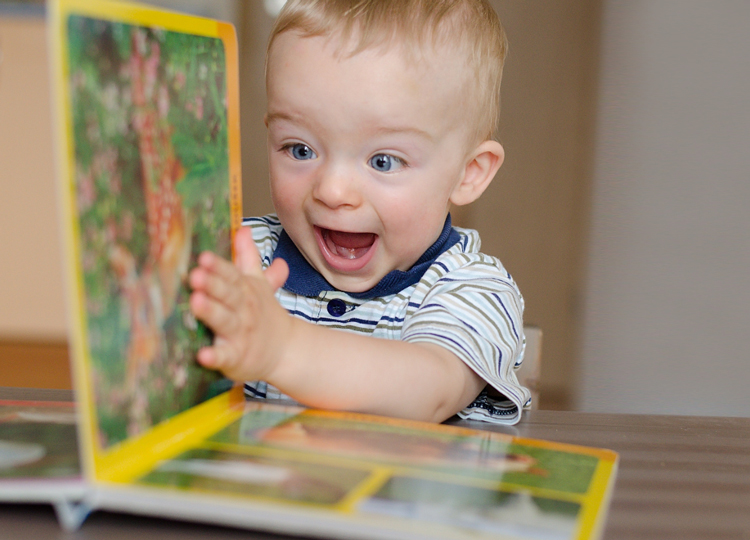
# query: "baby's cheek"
x,y
284,196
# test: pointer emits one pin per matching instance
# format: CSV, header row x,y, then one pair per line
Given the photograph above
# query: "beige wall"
x,y
535,215
31,284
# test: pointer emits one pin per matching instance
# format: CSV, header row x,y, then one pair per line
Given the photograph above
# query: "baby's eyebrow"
x,y
397,130
378,130
282,116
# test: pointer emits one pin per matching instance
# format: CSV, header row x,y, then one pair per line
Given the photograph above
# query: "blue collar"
x,y
306,281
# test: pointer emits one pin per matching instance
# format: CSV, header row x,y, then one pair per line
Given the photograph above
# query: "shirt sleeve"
x,y
476,312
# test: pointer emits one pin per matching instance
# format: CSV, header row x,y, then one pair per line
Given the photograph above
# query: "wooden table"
x,y
681,478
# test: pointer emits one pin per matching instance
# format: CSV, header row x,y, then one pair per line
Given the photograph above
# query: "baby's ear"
x,y
480,170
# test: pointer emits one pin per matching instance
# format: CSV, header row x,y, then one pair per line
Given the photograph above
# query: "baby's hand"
x,y
237,302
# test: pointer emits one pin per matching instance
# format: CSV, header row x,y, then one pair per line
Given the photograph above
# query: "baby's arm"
x,y
256,339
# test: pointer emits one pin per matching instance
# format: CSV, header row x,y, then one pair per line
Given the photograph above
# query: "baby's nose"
x,y
338,187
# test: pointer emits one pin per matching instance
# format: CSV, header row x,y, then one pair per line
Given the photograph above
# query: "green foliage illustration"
x,y
150,138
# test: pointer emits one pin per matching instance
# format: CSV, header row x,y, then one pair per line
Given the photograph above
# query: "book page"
x,y
409,476
148,137
38,441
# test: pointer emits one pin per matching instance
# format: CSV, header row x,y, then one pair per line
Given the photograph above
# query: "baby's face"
x,y
365,153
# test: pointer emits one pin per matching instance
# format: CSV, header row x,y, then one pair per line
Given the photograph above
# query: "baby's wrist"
x,y
285,351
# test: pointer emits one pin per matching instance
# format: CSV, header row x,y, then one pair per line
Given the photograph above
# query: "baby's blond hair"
x,y
471,26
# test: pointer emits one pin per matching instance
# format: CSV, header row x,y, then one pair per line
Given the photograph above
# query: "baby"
x,y
358,294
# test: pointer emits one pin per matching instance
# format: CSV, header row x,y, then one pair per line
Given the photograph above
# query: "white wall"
x,y
667,307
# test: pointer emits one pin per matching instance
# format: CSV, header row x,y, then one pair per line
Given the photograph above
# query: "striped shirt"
x,y
465,301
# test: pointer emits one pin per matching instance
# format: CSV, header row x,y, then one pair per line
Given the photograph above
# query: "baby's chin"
x,y
351,283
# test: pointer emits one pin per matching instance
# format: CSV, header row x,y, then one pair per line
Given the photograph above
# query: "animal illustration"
x,y
150,293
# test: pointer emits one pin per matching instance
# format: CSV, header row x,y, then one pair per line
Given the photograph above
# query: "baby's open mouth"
x,y
348,245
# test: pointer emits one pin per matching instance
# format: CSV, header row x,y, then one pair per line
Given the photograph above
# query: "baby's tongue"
x,y
349,245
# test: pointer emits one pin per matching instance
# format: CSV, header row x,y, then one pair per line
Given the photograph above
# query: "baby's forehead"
x,y
416,54
433,81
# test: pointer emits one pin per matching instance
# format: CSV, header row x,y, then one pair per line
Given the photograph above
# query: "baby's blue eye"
x,y
301,151
385,163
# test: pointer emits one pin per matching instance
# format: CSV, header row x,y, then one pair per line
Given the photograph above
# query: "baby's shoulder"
x,y
465,266
469,240
466,255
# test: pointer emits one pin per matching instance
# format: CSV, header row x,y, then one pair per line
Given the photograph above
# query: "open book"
x,y
149,176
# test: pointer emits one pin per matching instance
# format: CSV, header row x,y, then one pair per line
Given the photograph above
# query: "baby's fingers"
x,y
277,273
219,356
215,314
246,253
222,356
213,264
221,282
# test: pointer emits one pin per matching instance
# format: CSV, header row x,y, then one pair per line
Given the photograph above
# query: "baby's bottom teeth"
x,y
347,253
348,245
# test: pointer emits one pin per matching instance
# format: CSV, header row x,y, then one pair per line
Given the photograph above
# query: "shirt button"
x,y
336,307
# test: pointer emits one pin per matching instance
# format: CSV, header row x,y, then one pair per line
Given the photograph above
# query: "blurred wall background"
x,y
667,303
31,282
621,209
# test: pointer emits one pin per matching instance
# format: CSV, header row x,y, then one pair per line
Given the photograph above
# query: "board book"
x,y
147,108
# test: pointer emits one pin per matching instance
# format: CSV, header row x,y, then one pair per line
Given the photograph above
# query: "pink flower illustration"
x,y
86,191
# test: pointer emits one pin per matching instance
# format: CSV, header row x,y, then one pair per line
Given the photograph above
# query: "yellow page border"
x,y
136,456
596,503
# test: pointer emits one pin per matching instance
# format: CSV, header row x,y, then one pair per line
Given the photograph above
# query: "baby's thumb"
x,y
246,253
277,273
